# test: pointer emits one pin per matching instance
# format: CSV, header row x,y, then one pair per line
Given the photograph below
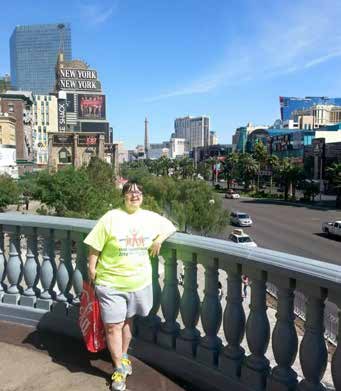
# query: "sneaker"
x,y
118,380
126,365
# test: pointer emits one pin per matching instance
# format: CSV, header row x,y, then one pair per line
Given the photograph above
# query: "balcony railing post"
x,y
2,263
230,360
187,342
47,271
255,368
284,338
80,273
147,328
31,267
64,272
336,360
14,266
170,303
211,317
313,350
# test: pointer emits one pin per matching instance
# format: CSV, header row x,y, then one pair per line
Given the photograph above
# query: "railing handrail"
x,y
268,260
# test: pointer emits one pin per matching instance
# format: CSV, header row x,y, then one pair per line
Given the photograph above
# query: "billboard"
x,y
62,115
91,106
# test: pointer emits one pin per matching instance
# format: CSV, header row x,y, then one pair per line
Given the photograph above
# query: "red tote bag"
x,y
90,321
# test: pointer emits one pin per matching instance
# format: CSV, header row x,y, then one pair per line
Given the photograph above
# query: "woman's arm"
x,y
93,257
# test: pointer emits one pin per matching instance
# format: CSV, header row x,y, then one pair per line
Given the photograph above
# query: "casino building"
x,y
81,102
83,131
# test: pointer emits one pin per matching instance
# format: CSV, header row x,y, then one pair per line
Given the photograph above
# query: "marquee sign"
x,y
78,79
59,139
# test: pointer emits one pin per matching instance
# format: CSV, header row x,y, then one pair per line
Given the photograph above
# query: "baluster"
x,y
2,263
14,266
313,351
80,273
255,367
170,303
47,271
211,317
336,360
284,338
234,324
190,311
31,267
64,272
147,327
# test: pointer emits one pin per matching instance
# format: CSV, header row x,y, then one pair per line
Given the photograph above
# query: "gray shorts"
x,y
117,306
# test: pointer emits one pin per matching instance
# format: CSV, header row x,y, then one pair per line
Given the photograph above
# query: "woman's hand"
x,y
154,249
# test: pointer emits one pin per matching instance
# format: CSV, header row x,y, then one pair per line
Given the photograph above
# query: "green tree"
x,y
289,175
334,175
248,168
230,166
186,167
272,163
9,191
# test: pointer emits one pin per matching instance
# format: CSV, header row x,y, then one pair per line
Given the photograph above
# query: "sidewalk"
x,y
32,361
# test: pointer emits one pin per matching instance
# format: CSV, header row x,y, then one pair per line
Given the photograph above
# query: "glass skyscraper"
x,y
34,50
289,104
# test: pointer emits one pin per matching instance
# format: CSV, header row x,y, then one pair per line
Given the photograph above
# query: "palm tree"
x,y
230,165
334,175
260,153
272,163
248,168
289,174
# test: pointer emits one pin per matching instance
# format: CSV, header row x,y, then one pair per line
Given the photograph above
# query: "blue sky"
x,y
229,59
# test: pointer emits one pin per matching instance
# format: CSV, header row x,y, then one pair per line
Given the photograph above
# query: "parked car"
x,y
332,228
240,237
231,194
241,219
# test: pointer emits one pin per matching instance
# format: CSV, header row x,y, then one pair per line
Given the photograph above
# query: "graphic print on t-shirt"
x,y
133,243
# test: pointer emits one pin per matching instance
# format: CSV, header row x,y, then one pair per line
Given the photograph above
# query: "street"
x,y
288,228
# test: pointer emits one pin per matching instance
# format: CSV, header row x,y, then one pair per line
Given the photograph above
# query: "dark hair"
x,y
127,187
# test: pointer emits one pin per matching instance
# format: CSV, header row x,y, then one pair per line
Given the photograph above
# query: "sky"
x,y
163,59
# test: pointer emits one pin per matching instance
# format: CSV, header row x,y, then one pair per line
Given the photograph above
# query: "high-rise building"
x,y
34,51
290,104
45,120
196,130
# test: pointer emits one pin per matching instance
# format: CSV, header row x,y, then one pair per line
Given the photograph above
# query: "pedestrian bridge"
x,y
190,334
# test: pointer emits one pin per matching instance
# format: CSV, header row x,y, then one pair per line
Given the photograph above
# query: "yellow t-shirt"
x,y
123,240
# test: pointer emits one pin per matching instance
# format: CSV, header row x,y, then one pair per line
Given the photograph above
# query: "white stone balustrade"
x,y
43,266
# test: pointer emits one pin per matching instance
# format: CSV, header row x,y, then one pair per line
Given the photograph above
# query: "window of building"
x,y
64,156
10,108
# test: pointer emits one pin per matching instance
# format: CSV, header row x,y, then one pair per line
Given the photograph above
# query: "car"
x,y
231,194
240,237
241,219
332,228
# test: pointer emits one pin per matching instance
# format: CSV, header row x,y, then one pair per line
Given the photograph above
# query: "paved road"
x,y
287,228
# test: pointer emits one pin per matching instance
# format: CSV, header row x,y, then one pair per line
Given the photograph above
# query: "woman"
x,y
120,267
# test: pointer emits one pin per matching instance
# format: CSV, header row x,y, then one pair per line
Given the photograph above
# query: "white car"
x,y
231,194
241,219
240,237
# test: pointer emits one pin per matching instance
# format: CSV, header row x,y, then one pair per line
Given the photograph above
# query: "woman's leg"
x,y
126,334
114,336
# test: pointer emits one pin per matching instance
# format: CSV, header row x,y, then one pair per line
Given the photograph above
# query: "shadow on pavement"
x,y
66,351
323,205
328,237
